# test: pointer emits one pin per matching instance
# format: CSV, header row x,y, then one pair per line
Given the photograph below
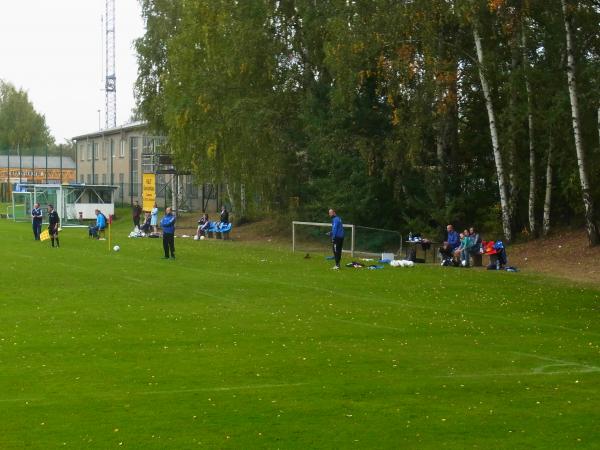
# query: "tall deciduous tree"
x,y
487,93
21,126
588,202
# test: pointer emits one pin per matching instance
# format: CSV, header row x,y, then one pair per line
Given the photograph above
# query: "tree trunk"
x,y
548,197
592,229
230,196
532,159
515,124
506,219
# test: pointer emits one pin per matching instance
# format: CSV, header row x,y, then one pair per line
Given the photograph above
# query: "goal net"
x,y
20,209
358,240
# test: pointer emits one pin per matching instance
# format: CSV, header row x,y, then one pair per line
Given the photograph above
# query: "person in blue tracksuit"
x,y
100,224
337,237
36,221
167,224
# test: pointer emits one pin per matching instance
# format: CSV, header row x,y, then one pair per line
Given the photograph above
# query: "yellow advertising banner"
x,y
149,191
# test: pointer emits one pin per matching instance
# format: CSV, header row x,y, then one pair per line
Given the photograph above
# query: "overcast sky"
x,y
53,49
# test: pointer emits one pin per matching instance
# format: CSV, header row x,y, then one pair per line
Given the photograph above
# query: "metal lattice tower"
x,y
110,86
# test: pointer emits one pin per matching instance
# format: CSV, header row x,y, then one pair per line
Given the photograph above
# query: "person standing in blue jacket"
x,y
337,237
168,227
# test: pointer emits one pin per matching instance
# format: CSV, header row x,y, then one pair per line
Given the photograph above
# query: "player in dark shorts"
x,y
53,223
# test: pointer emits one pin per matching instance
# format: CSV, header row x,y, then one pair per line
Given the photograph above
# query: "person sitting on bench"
x,y
203,225
147,225
95,231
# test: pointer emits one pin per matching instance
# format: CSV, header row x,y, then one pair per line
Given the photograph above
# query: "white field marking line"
x,y
517,374
15,400
540,370
365,324
222,389
559,362
137,280
165,392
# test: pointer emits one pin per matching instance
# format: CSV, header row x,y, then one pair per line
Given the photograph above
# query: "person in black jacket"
x,y
53,223
224,216
136,213
36,221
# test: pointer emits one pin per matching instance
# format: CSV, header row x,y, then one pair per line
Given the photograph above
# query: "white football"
x,y
196,237
202,238
116,248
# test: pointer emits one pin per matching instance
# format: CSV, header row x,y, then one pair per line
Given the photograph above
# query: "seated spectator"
x,y
95,231
461,253
453,237
497,252
203,225
476,242
501,260
147,225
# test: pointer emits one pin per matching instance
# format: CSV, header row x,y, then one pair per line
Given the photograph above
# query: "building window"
x,y
89,178
122,149
103,178
112,148
82,179
103,150
89,151
81,149
96,155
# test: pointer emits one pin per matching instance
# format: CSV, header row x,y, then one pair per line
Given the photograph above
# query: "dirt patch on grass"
x,y
565,254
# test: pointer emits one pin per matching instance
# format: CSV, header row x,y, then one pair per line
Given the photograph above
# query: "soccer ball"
x,y
196,237
201,238
116,248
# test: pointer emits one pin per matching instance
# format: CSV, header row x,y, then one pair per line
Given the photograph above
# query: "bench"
x,y
220,232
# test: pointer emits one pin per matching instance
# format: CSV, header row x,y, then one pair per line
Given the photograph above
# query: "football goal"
x,y
20,209
359,240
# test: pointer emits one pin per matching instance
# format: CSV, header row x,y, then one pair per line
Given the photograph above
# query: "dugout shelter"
x,y
73,202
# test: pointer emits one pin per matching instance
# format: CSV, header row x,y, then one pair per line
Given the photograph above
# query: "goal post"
x,y
316,238
312,237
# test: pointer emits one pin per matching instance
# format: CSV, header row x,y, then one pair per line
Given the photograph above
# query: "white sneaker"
x,y
335,268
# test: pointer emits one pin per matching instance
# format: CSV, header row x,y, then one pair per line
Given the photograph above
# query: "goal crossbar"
x,y
323,224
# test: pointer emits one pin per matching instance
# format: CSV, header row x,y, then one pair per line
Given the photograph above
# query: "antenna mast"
x,y
110,85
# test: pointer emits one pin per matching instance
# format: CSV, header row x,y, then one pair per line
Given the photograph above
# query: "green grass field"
x,y
241,345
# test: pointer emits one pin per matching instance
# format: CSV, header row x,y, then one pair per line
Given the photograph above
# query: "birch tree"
x,y
588,203
548,195
532,158
506,219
